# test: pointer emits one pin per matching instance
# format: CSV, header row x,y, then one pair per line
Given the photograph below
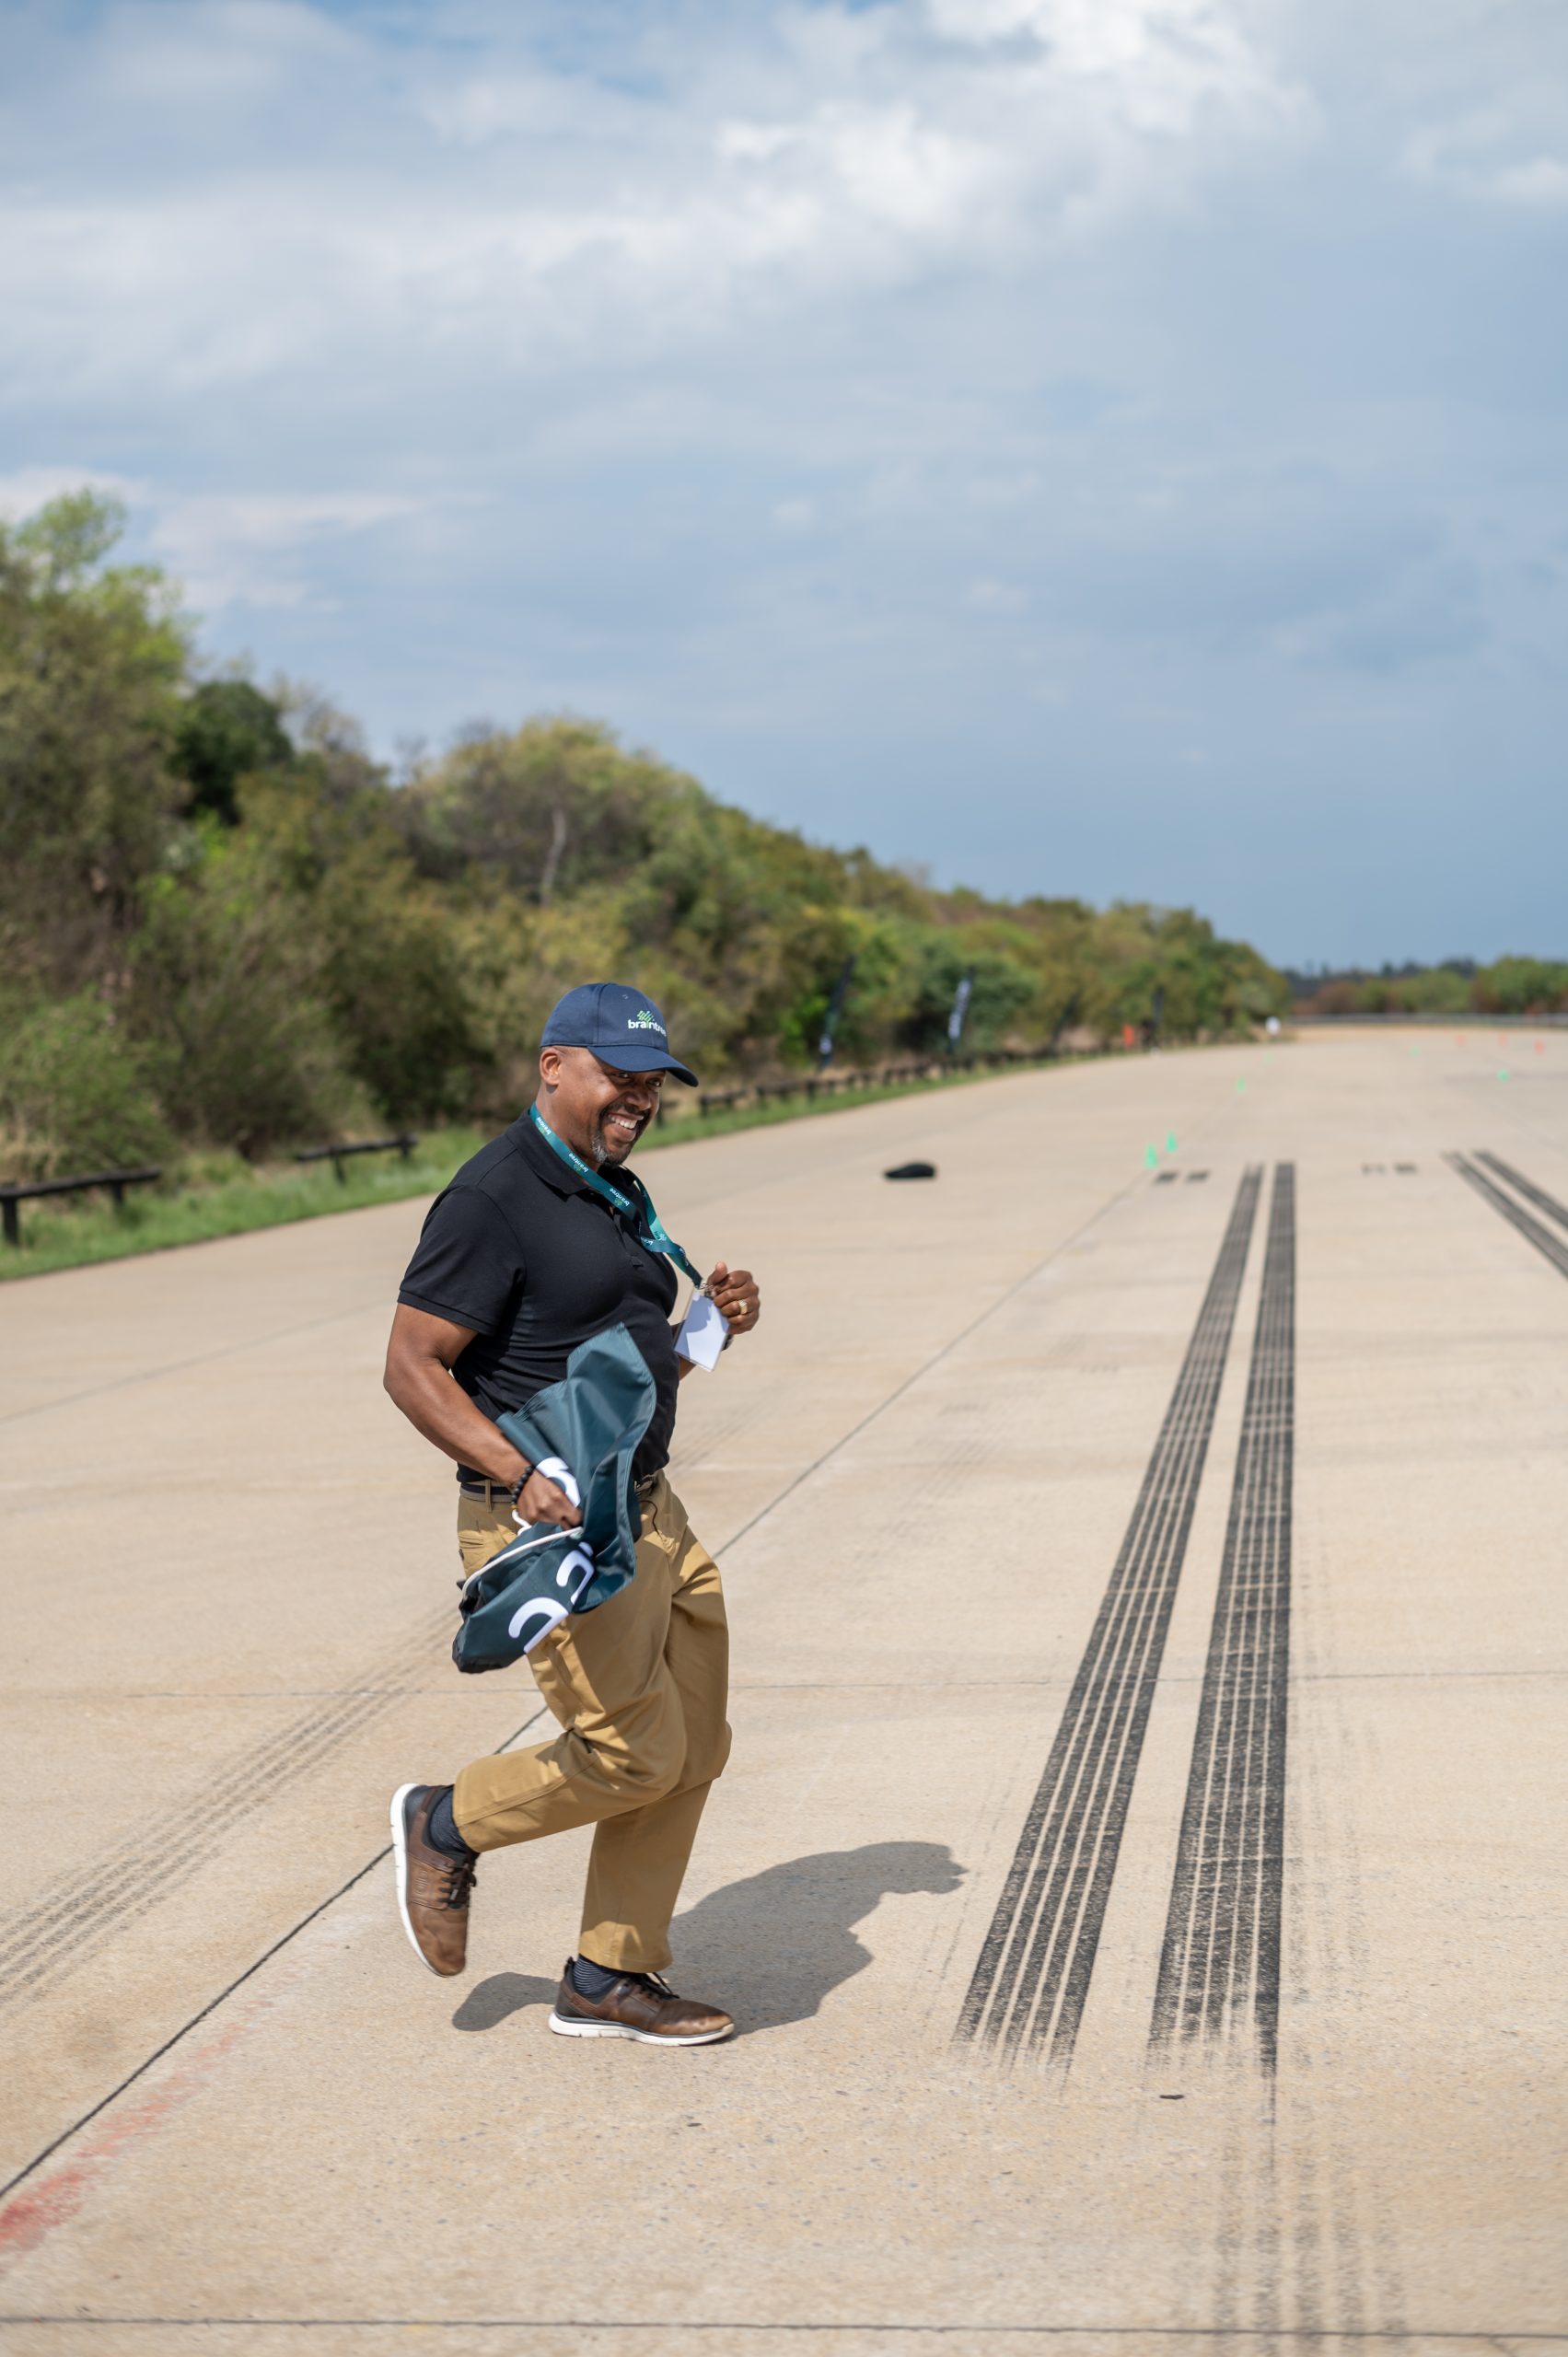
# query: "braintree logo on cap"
x,y
644,1020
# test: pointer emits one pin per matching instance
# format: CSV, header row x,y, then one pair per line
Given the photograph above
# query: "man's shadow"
x,y
770,1947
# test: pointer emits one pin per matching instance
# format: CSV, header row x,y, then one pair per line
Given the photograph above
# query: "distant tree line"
x,y
1460,986
224,926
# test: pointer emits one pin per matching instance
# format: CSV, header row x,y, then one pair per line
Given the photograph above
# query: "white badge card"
x,y
701,1339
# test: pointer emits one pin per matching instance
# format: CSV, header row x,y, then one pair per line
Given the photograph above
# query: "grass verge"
x,y
193,1206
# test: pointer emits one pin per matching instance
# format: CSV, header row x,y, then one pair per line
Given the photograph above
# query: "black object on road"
x,y
912,1170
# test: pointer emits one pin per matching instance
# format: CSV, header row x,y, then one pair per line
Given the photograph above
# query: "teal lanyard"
x,y
652,1235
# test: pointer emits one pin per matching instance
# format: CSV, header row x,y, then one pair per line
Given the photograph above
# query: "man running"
x,y
540,1242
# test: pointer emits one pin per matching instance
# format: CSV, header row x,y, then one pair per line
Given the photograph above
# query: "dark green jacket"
x,y
583,1432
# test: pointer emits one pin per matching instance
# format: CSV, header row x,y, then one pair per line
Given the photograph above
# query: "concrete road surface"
x,y
1139,1880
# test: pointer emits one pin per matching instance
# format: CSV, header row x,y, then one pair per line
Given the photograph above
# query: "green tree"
x,y
1522,986
228,730
92,659
386,968
1003,989
227,993
544,812
394,984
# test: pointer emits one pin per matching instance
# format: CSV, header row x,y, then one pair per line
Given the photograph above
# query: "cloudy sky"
x,y
1106,446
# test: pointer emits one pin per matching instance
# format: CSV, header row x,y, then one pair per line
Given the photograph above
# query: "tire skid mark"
x,y
1554,1250
51,1940
1526,1187
232,1793
213,2051
1032,1977
1219,1969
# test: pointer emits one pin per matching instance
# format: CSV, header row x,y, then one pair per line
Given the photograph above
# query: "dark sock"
x,y
591,1979
441,1829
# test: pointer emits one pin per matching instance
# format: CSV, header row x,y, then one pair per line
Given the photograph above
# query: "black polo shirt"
x,y
519,1248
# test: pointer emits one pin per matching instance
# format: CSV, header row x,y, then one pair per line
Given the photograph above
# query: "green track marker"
x,y
1150,1155
1170,1142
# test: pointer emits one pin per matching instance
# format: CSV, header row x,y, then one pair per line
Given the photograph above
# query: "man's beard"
x,y
602,1144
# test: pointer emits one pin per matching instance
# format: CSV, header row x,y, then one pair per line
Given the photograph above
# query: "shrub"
x,y
228,989
76,1095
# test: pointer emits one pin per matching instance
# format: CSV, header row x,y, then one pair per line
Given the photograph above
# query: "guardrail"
x,y
338,1155
828,1083
22,1191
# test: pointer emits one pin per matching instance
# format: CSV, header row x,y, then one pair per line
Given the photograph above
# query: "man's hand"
x,y
735,1291
543,1500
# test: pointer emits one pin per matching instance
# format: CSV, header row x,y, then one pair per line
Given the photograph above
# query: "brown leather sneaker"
x,y
637,2004
432,1889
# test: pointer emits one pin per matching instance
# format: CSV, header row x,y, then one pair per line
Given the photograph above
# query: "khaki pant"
x,y
639,1687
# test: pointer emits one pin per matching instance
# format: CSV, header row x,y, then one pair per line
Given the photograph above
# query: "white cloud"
x,y
300,200
738,372
253,547
30,488
885,164
996,597
224,52
1543,180
501,105
1152,63
224,548
1511,150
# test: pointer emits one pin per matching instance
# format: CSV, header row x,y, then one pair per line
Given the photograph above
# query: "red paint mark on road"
x,y
34,2211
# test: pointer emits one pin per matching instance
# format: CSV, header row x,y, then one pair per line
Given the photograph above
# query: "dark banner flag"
x,y
961,1011
835,1008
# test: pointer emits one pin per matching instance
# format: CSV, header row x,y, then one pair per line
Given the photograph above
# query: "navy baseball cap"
x,y
621,1026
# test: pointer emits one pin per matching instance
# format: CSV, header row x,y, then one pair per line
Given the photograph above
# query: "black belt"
x,y
488,1493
